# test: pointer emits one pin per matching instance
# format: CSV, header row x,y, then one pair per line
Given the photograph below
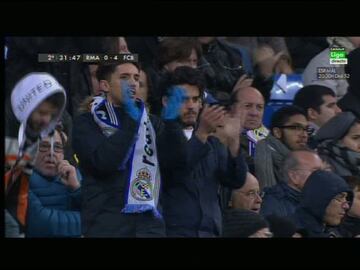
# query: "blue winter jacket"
x,y
320,188
53,210
280,200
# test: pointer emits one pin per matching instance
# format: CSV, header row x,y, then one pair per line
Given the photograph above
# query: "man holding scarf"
x,y
120,148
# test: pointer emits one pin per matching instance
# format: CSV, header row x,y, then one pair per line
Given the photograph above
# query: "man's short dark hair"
x,y
183,75
353,182
281,116
311,96
104,71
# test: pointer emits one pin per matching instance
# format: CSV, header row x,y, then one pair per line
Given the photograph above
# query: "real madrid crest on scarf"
x,y
144,177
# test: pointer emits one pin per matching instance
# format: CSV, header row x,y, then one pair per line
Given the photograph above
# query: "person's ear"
x,y
164,101
104,86
293,176
312,114
277,133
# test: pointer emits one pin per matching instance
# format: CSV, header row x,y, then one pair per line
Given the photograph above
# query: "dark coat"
x,y
280,200
350,227
104,185
350,103
54,210
191,197
222,67
320,188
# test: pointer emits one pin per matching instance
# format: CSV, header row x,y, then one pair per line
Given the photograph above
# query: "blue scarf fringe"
x,y
140,208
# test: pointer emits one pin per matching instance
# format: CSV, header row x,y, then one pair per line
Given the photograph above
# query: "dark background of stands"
x,y
227,18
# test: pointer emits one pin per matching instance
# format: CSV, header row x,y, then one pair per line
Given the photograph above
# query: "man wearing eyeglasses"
x,y
288,133
326,198
248,197
37,101
54,195
283,198
320,105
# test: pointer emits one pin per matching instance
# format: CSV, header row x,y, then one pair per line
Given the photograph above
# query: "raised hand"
x,y
68,175
210,118
128,101
175,100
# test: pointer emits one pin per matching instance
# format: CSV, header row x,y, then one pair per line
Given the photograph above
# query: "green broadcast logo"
x,y
338,56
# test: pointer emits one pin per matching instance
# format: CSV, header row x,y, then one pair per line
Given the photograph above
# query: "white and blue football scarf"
x,y
143,185
254,136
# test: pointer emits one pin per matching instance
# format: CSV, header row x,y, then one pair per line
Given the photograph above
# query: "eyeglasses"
x,y
298,128
341,199
44,147
252,194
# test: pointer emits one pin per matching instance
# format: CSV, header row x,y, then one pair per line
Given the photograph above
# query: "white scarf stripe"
x,y
108,108
144,179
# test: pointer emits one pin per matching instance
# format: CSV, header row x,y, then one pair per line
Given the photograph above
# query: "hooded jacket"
x,y
351,101
320,188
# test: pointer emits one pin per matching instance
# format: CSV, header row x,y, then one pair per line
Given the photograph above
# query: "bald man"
x,y
282,198
248,197
251,102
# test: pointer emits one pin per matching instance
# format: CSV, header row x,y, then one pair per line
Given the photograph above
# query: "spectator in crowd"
x,y
319,103
75,76
277,44
324,203
251,101
267,63
240,223
172,52
288,132
283,198
322,60
121,151
351,100
37,101
350,226
282,227
222,66
339,144
190,203
247,197
54,195
177,52
303,49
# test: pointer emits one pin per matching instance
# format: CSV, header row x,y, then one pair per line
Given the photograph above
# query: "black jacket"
x,y
104,184
222,67
350,227
320,188
280,200
350,103
191,197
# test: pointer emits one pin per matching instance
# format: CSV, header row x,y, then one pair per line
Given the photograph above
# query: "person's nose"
x,y
258,198
253,111
337,109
